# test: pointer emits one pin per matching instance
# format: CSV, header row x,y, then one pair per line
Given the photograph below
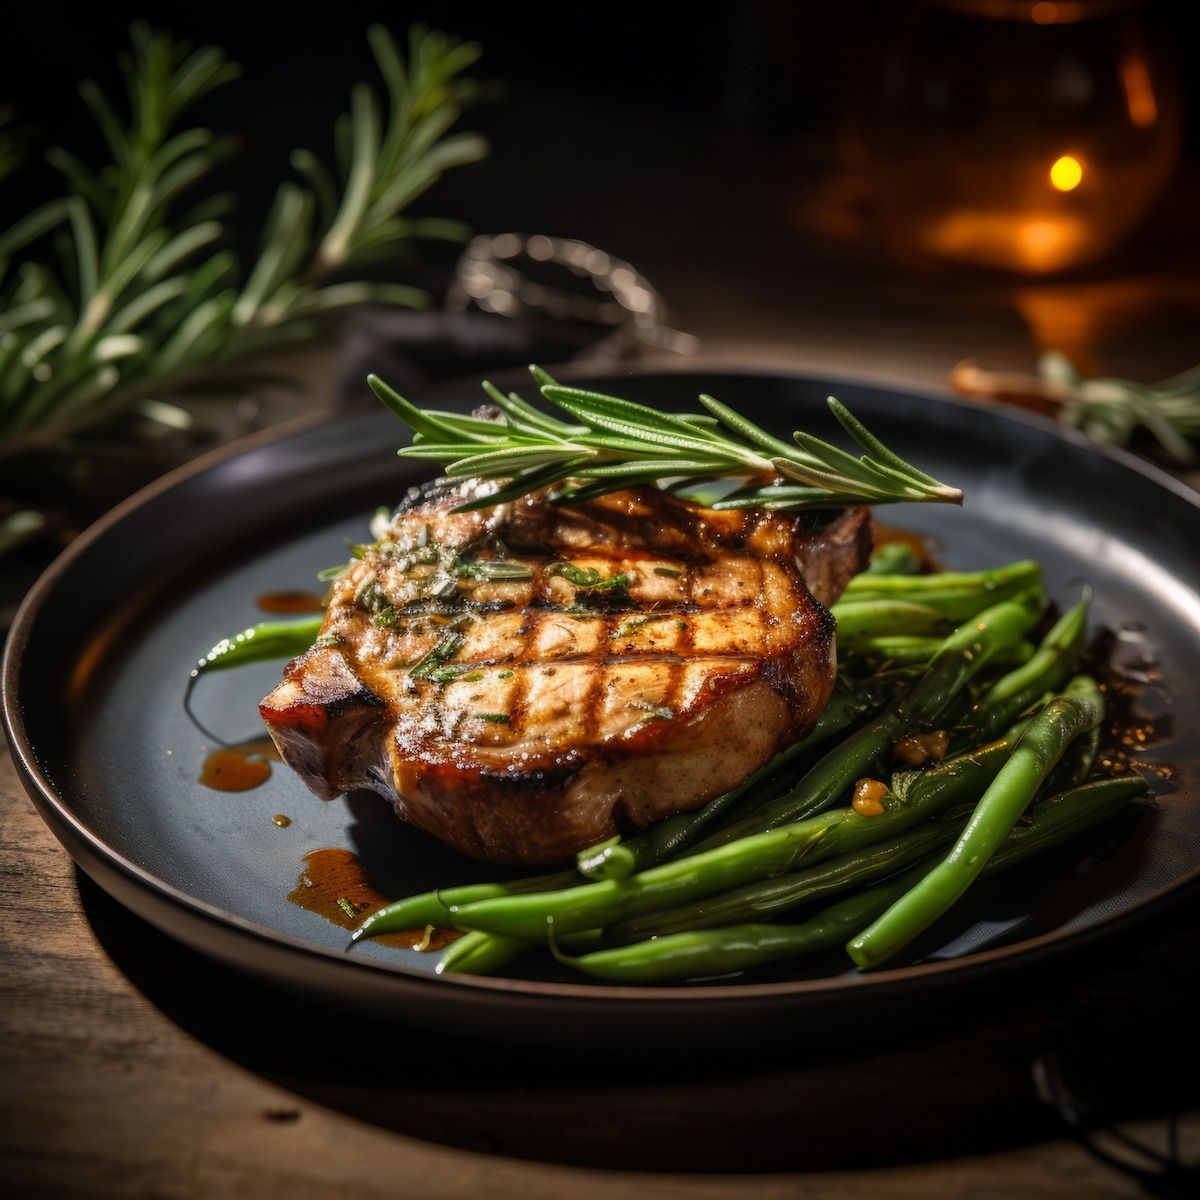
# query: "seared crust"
x,y
550,714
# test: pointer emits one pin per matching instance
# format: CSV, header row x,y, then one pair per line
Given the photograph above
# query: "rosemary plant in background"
x,y
140,302
1112,411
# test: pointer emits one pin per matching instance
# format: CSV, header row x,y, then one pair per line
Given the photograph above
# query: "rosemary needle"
x,y
617,443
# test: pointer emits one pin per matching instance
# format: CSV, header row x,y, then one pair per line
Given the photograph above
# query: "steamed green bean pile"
x,y
960,739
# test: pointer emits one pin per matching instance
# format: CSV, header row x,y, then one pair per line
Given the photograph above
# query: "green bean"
x,y
897,649
1052,821
718,952
435,908
1075,765
894,558
712,953
1055,659
615,859
480,954
963,654
879,618
851,702
1012,655
676,882
763,899
1041,747
266,640
956,595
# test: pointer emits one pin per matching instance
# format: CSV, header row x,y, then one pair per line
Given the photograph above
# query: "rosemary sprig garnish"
x,y
618,443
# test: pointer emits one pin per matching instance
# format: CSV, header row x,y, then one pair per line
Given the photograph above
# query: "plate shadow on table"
x,y
924,1082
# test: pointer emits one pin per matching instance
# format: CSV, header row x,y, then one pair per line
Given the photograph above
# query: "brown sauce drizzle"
x,y
239,768
290,602
334,875
1129,684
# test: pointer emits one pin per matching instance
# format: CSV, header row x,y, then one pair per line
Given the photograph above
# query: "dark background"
x,y
694,141
595,92
678,111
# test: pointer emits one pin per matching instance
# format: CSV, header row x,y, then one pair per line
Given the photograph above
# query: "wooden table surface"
x,y
132,1067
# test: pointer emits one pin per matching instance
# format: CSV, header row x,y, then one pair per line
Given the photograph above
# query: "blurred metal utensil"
x,y
567,290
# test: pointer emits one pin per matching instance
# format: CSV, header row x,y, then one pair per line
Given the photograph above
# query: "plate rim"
x,y
75,835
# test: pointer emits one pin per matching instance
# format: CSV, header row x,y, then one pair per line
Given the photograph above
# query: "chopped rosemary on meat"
x,y
385,617
444,674
658,711
618,444
445,650
494,718
588,579
370,597
640,623
492,568
328,639
669,572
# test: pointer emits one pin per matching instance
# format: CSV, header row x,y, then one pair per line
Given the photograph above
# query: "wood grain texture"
x,y
132,1067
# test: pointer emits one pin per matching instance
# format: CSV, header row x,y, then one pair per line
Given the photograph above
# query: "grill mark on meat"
x,y
591,707
685,648
519,697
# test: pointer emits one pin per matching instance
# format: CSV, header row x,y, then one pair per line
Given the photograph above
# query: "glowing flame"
x,y
1067,173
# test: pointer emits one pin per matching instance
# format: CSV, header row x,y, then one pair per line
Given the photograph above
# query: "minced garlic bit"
x,y
868,797
919,748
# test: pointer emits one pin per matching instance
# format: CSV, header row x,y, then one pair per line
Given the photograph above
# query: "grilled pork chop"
x,y
525,680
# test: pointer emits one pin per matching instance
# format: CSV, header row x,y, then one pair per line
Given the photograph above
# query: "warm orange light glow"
x,y
1034,244
1067,173
1044,13
1139,91
1041,243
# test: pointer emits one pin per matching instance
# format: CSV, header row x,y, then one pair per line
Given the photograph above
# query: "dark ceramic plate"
x,y
99,654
